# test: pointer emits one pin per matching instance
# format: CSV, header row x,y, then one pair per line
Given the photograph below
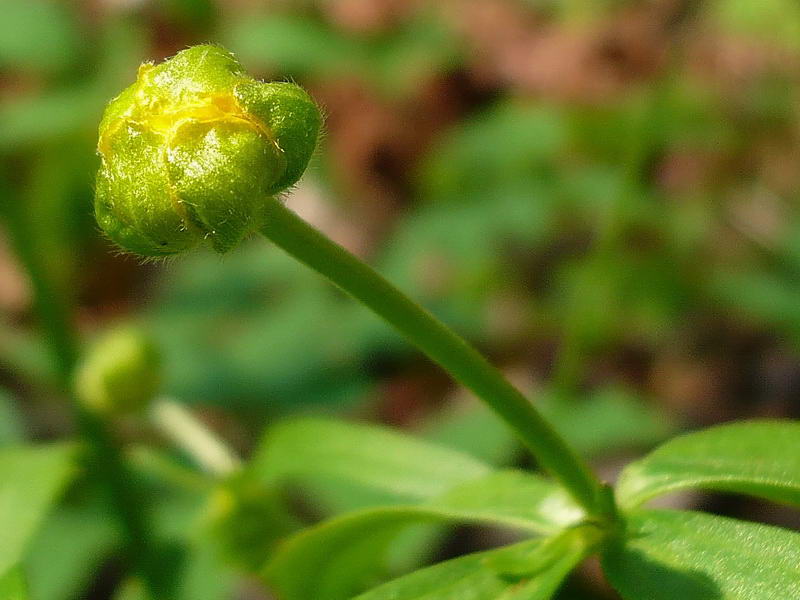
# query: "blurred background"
x,y
600,194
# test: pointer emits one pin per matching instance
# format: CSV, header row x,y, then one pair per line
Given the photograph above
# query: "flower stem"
x,y
105,461
309,246
177,423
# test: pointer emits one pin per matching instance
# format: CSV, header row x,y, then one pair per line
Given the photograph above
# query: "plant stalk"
x,y
105,459
178,424
302,241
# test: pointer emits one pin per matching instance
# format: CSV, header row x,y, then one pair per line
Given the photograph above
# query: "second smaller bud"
x,y
120,374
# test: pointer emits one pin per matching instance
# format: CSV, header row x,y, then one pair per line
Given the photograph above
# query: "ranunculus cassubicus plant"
x,y
196,153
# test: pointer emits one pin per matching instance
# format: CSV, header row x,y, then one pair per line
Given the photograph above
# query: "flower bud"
x,y
120,374
192,151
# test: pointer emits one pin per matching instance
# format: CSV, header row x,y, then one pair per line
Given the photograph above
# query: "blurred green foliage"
x,y
38,36
305,47
596,237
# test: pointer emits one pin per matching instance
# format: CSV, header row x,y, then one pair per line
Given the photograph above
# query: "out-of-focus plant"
x,y
175,147
494,188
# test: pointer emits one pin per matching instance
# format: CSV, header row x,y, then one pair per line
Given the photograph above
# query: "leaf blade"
x,y
696,556
757,458
13,585
309,565
67,550
372,457
31,477
473,577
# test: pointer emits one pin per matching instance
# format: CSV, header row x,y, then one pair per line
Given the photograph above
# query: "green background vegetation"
x,y
601,195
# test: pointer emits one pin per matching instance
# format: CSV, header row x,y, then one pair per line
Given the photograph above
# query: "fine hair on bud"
x,y
194,149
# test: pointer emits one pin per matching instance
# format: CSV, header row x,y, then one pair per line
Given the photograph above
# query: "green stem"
x,y
178,424
105,460
462,361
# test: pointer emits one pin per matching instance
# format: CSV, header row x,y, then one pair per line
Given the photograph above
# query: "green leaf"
x,y
205,576
695,556
477,576
372,457
13,586
758,458
332,560
31,478
200,576
68,549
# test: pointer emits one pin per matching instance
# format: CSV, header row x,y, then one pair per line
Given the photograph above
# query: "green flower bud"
x,y
120,374
191,152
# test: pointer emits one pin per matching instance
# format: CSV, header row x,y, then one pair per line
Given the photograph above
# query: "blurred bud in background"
x,y
121,372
